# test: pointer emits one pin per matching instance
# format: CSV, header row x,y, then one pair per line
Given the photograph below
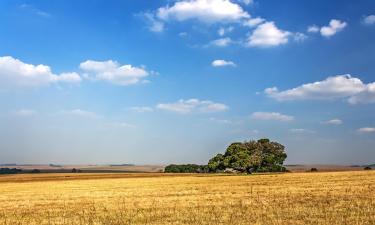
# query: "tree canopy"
x,y
250,156
186,168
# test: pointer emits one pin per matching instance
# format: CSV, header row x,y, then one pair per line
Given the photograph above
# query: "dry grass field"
x,y
113,199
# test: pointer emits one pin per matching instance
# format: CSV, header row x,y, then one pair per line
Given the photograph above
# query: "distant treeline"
x,y
9,170
186,168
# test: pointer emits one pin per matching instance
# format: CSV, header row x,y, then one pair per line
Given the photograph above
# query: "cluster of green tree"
x,y
250,156
74,170
187,168
9,170
243,157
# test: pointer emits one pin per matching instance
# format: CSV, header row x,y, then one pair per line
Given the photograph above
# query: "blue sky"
x,y
153,82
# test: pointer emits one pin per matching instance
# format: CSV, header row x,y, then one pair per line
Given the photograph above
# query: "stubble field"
x,y
113,199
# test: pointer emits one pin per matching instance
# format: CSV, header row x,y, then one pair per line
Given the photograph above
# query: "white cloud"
x,y
268,35
24,112
253,22
247,2
271,116
80,113
333,27
313,29
365,96
369,20
154,24
124,125
193,105
221,62
221,42
15,73
221,121
299,37
333,122
182,34
222,30
35,10
141,109
366,130
207,11
113,72
341,86
301,130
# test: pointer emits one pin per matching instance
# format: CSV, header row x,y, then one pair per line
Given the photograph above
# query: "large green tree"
x,y
260,156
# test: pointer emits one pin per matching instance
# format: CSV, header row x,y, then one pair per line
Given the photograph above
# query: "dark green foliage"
x,y
9,171
187,168
74,170
367,168
250,156
35,171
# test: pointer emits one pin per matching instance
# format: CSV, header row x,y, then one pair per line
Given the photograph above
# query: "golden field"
x,y
114,199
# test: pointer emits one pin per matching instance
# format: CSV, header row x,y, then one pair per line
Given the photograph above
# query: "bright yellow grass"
x,y
294,198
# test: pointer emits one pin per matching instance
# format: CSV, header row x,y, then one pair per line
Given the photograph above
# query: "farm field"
x,y
290,198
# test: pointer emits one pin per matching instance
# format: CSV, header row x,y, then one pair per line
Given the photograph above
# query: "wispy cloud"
x,y
141,109
369,20
193,105
80,113
271,116
333,122
35,10
24,112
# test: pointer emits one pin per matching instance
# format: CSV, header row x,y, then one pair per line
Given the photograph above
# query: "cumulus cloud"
x,y
333,27
141,109
268,35
193,105
113,72
253,22
271,116
207,11
15,73
335,87
313,29
369,20
333,122
366,130
221,62
365,96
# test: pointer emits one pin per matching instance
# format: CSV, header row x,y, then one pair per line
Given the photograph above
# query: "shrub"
x,y
314,169
367,168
